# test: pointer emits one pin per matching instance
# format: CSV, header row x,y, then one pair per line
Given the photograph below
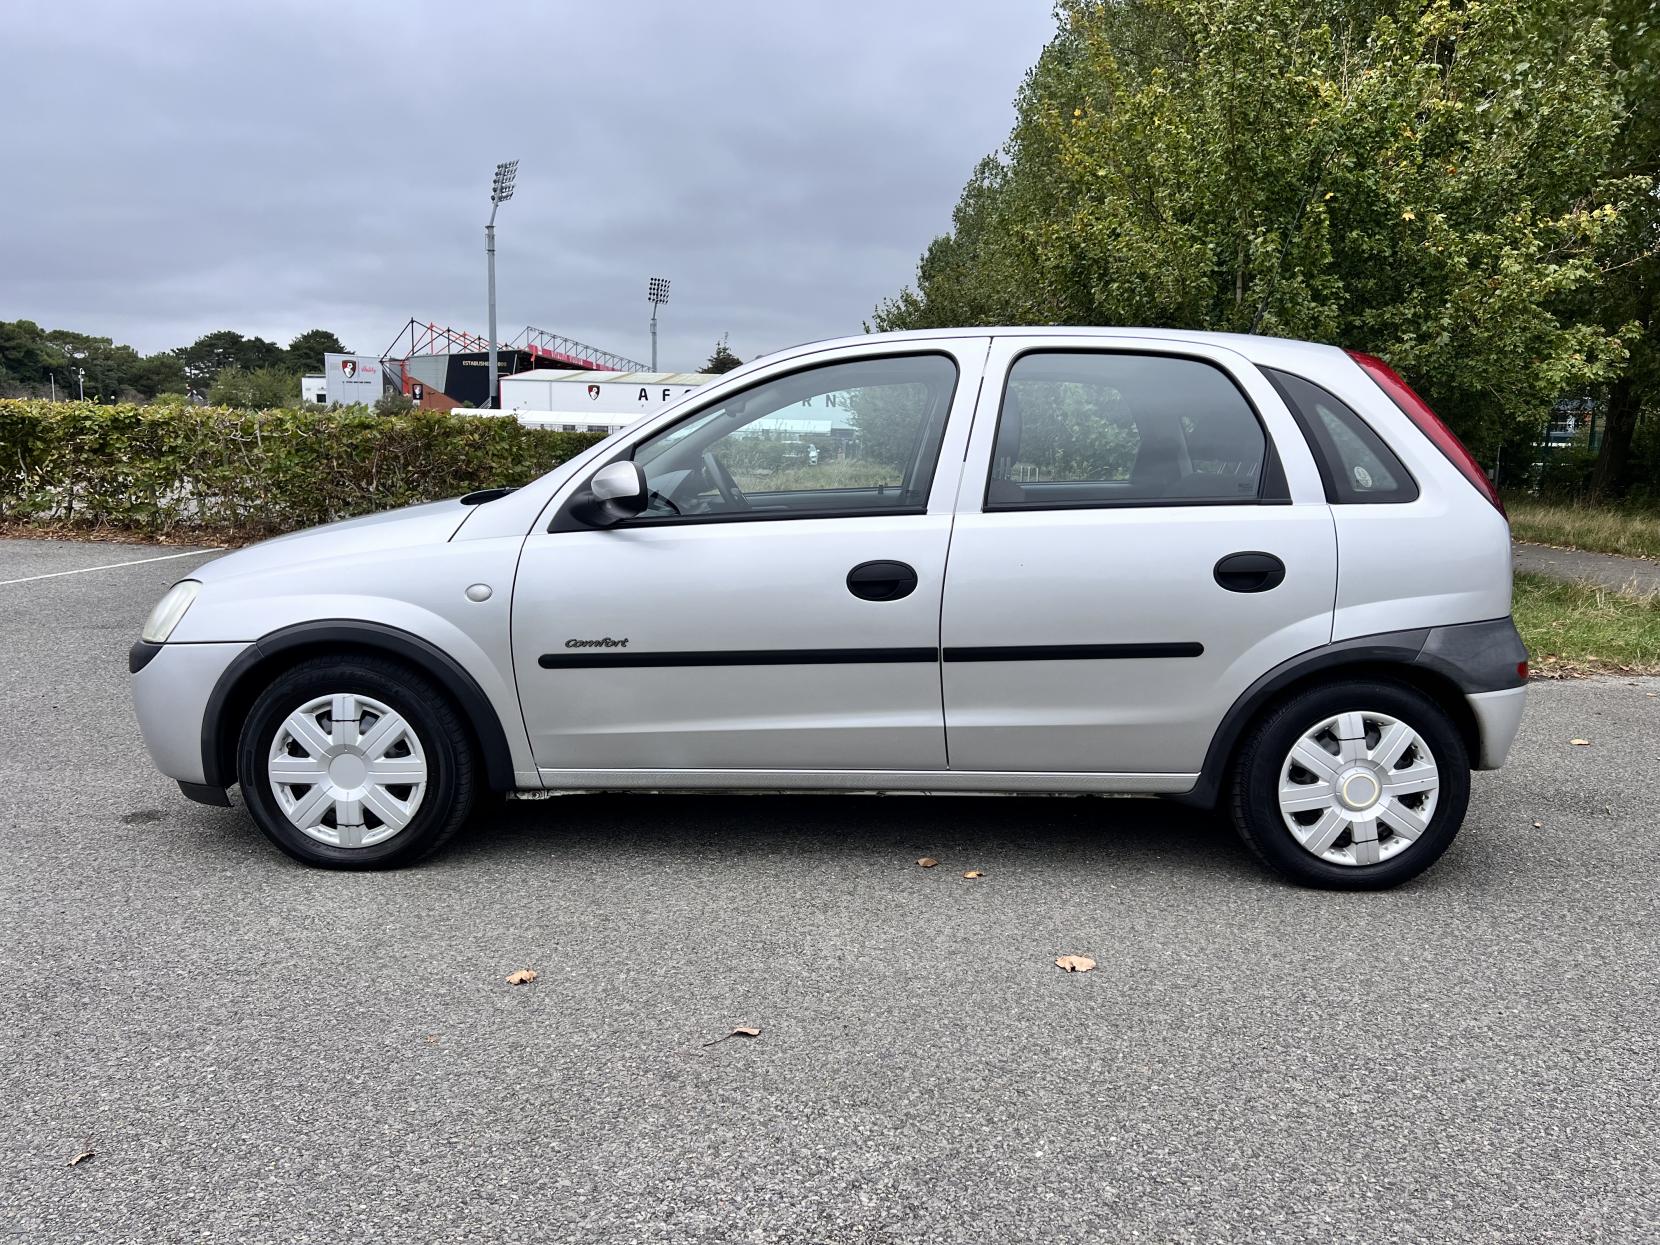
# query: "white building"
x,y
578,400
349,378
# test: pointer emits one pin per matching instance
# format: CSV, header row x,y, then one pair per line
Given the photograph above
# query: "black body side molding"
x,y
230,697
1078,652
587,659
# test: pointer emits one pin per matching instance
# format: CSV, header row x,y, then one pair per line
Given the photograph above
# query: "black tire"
x,y
1256,779
451,785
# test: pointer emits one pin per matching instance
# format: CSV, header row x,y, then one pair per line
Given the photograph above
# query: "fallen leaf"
x,y
1580,743
523,977
1074,963
927,862
975,873
743,1031
82,1157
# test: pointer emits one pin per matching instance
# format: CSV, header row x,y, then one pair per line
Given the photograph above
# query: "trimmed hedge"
x,y
152,470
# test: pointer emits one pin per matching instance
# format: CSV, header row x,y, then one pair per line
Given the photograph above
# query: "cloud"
x,y
282,166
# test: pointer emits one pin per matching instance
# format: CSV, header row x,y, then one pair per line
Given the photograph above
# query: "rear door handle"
x,y
881,581
1250,572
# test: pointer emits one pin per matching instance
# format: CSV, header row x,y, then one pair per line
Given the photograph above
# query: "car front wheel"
x,y
1357,786
355,763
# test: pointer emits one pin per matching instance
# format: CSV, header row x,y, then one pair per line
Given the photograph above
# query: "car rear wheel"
x,y
1353,787
355,763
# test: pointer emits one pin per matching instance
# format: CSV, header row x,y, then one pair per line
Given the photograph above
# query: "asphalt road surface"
x,y
255,1051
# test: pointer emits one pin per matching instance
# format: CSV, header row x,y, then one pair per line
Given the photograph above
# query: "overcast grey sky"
x,y
172,168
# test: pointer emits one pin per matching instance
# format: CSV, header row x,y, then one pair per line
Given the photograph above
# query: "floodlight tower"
x,y
501,190
657,293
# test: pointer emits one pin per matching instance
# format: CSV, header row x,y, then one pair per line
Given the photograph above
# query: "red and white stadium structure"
x,y
440,367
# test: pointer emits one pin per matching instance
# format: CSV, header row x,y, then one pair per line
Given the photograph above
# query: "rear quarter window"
x,y
1356,467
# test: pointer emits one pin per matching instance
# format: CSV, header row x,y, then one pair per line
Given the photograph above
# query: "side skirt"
x,y
849,781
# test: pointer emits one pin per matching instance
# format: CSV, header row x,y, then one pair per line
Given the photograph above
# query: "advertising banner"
x,y
349,378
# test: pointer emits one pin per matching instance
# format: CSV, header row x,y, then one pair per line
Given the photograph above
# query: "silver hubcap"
x,y
347,770
1359,788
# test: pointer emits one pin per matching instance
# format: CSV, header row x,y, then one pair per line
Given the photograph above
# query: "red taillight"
x,y
1429,423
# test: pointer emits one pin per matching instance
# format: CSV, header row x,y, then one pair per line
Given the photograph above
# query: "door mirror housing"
x,y
617,491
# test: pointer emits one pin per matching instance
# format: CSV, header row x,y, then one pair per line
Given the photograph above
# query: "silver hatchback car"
x,y
1230,570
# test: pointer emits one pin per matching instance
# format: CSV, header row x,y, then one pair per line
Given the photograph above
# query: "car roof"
x,y
1273,351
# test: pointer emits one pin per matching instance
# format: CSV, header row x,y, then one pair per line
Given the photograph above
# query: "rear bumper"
x,y
1477,657
171,688
1498,715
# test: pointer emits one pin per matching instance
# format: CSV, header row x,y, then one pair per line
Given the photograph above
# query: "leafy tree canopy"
x,y
1627,299
305,352
33,360
36,362
212,353
1429,180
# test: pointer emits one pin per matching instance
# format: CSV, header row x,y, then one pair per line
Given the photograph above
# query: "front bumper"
x,y
171,687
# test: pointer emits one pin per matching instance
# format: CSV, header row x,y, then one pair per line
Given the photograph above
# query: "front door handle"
x,y
1250,572
881,581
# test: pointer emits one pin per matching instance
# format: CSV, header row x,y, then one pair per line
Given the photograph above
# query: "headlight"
x,y
169,610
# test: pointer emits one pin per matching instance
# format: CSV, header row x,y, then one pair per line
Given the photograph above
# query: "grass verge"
x,y
1601,529
1574,628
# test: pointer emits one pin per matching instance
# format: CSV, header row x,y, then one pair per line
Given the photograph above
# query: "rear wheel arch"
x,y
1367,661
264,660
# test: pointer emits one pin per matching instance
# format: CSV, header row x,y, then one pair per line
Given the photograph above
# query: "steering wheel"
x,y
730,493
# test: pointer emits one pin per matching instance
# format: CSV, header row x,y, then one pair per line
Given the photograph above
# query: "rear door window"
x,y
1099,428
1356,467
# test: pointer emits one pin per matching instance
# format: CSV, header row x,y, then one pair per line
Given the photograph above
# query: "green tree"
x,y
156,374
255,353
102,369
26,356
258,389
1424,180
1627,300
305,352
722,360
209,355
33,358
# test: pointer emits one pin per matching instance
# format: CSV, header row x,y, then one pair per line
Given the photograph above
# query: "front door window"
x,y
860,437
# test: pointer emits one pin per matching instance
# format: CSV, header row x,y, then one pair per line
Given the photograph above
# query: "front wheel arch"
x,y
264,660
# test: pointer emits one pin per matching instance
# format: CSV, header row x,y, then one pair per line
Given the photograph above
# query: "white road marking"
x,y
166,557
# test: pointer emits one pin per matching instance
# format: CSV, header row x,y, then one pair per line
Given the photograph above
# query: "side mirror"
x,y
615,492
